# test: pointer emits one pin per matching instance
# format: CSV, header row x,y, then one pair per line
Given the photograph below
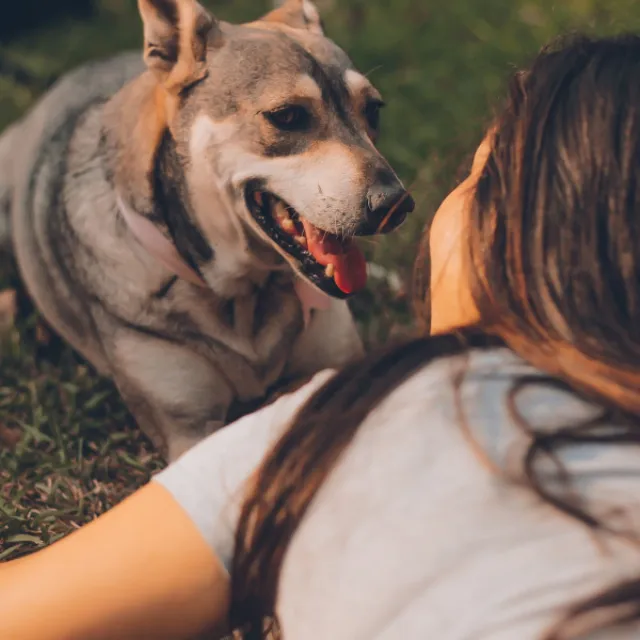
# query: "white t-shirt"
x,y
413,535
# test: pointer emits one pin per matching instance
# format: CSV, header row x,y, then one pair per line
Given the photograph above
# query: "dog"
x,y
185,218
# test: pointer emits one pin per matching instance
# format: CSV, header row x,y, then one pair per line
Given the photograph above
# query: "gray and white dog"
x,y
186,224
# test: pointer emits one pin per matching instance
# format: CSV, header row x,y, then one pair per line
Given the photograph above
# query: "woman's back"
x,y
414,534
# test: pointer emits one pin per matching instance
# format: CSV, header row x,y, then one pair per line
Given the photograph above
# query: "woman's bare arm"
x,y
148,569
143,570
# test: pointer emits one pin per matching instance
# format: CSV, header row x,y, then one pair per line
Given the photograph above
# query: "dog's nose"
x,y
386,209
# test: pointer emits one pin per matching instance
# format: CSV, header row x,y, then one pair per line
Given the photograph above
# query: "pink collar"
x,y
164,251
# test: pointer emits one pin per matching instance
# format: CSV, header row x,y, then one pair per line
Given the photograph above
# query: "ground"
x,y
68,448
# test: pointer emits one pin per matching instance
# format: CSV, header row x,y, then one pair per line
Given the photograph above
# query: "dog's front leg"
x,y
177,396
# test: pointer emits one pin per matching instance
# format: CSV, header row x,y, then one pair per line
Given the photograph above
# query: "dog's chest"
x,y
249,338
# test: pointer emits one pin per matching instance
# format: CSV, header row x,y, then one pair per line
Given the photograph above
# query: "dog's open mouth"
x,y
334,264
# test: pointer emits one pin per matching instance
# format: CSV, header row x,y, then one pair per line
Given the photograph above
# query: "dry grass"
x,y
439,66
68,448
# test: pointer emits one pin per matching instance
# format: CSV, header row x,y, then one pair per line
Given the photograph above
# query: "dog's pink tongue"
x,y
350,267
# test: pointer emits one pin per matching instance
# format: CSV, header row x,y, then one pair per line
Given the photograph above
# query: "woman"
x,y
478,483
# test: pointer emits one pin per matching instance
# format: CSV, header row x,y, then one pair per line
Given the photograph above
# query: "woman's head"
x,y
541,243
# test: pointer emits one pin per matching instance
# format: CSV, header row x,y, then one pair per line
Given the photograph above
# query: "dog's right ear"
x,y
177,34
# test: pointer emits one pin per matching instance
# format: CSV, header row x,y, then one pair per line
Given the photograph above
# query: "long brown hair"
x,y
554,259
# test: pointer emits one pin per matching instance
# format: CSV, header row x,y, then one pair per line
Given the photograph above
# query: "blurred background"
x,y
68,449
440,65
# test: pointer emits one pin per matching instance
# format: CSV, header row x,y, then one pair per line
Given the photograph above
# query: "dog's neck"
x,y
147,170
158,245
164,251
172,208
133,126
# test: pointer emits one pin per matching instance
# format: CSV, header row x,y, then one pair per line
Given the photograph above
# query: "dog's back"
x,y
50,123
33,171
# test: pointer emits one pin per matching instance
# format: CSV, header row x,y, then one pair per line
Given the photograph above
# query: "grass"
x,y
440,66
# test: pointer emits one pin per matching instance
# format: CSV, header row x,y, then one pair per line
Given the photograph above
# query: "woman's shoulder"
x,y
483,397
476,381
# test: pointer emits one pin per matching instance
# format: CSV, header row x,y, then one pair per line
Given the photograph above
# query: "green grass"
x,y
440,66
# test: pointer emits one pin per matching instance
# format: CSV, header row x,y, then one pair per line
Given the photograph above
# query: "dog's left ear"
x,y
299,14
176,36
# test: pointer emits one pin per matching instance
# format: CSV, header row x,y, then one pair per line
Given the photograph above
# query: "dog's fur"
x,y
177,140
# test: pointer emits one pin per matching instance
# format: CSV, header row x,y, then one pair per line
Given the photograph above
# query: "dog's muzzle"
x,y
386,208
331,262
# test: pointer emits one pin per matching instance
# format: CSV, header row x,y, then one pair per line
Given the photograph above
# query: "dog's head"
x,y
275,133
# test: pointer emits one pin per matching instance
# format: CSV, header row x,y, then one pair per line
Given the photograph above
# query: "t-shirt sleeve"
x,y
208,480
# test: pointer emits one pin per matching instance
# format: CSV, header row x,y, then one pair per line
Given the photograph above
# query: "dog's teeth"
x,y
301,240
288,225
280,210
282,214
330,271
258,196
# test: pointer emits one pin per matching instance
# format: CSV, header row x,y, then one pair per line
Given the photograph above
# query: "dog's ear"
x,y
176,36
299,14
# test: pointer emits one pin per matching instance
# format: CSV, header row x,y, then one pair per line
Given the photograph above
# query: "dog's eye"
x,y
293,118
372,114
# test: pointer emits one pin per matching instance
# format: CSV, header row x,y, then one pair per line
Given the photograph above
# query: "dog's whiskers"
x,y
366,75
